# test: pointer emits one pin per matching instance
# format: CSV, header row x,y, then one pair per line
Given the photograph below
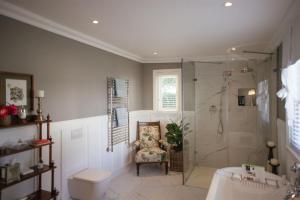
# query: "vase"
x,y
6,121
22,114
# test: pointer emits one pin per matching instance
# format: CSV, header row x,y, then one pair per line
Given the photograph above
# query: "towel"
x,y
262,100
290,78
114,118
120,88
121,116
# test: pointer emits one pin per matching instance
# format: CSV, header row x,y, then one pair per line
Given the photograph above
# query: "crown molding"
x,y
291,13
23,15
28,17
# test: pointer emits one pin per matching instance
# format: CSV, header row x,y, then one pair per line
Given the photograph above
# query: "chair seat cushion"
x,y
154,154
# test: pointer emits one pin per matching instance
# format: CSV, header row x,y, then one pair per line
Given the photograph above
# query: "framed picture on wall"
x,y
17,89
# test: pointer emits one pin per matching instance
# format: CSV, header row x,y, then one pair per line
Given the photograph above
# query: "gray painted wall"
x,y
148,81
72,74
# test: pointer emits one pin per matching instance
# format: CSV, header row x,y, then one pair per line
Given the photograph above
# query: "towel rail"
x,y
117,111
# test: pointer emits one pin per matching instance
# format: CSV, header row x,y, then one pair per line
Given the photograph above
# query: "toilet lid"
x,y
92,175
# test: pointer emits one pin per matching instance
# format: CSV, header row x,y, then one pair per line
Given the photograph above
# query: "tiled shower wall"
x,y
243,137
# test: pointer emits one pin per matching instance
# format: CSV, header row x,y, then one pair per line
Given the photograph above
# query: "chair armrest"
x,y
164,144
137,144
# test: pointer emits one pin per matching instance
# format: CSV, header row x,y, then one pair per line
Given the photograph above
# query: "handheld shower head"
x,y
246,69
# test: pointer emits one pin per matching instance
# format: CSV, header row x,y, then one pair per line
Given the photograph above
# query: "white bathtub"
x,y
223,187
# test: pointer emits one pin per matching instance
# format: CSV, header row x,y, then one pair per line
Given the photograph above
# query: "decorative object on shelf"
x,y
22,114
17,89
26,172
40,165
275,164
40,142
21,145
40,96
252,94
15,122
10,173
6,113
174,137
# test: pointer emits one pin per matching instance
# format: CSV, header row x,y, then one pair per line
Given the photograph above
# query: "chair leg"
x,y
167,167
137,169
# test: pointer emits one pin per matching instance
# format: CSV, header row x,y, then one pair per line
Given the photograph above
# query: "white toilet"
x,y
89,184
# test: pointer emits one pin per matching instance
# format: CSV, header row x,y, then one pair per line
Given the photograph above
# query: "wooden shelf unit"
x,y
31,147
45,169
44,195
39,194
17,125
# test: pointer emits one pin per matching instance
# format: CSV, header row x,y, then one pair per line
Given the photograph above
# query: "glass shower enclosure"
x,y
188,118
225,111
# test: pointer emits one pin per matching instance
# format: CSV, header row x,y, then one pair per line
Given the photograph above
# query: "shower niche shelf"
x,y
246,97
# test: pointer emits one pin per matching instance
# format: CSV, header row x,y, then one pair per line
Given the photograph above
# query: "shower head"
x,y
246,69
227,73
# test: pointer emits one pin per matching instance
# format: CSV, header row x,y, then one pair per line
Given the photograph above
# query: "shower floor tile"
x,y
201,177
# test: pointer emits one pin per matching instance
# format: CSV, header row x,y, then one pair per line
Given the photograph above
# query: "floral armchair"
x,y
149,146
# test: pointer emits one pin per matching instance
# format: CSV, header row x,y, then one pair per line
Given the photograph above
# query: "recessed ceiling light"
x,y
228,4
155,53
233,49
95,21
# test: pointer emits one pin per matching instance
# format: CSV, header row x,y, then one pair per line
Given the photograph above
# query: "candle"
x,y
41,93
271,144
274,162
251,92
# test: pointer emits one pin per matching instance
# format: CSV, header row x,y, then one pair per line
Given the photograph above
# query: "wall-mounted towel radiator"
x,y
117,111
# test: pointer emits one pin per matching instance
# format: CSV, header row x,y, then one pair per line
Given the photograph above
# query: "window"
x,y
294,129
167,90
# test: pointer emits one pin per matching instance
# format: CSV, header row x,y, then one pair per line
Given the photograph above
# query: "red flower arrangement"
x,y
8,110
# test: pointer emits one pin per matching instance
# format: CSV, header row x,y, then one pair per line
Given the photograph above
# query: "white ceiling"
x,y
175,28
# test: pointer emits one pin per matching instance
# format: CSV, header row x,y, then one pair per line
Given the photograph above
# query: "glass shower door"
x,y
188,118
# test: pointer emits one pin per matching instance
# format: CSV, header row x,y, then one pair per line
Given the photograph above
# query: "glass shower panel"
x,y
188,118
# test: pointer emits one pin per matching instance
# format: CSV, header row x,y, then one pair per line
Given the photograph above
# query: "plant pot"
x,y
6,121
176,161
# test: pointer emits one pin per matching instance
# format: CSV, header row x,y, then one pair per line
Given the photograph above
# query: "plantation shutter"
x,y
294,130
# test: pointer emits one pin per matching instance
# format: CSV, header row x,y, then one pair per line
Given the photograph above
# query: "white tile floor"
x,y
152,184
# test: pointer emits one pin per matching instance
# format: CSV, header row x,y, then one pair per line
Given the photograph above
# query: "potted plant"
x,y
174,137
5,114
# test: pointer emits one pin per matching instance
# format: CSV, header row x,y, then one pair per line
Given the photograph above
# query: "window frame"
x,y
156,101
